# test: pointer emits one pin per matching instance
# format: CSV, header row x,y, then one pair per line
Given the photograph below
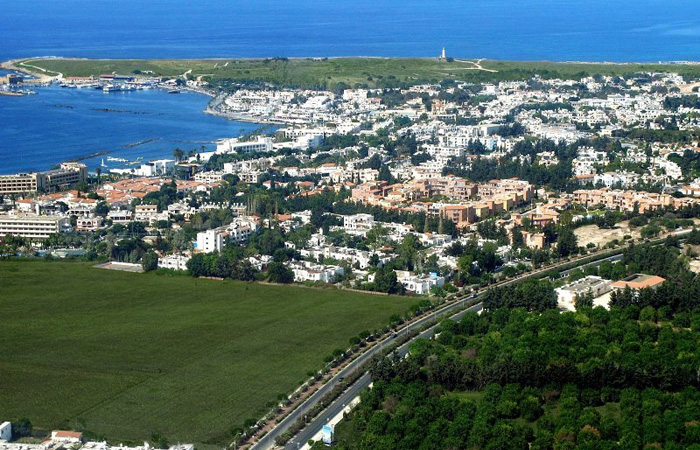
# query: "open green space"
x,y
350,71
123,355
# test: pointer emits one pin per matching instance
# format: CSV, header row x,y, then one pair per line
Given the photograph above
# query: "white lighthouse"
x,y
443,57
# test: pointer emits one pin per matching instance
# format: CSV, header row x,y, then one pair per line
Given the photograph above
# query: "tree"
x,y
22,428
566,242
584,301
102,209
385,174
149,261
385,280
279,273
178,154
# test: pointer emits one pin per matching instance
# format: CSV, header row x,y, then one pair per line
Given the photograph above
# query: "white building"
x,y
5,431
233,145
209,176
594,285
211,241
419,284
358,223
32,226
148,213
120,216
88,223
352,255
67,437
173,262
307,271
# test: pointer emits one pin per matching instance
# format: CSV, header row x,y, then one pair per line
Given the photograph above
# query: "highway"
x,y
268,440
352,391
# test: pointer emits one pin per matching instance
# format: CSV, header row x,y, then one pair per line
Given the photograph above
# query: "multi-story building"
x,y
262,144
21,183
358,223
33,226
252,177
51,180
66,175
211,241
148,213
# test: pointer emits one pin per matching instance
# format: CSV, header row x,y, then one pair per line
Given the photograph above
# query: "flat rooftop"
x,y
584,284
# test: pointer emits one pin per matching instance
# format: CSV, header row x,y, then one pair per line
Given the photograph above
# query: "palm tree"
x,y
178,154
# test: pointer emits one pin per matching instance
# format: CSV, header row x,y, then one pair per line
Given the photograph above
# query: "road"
x,y
337,405
352,391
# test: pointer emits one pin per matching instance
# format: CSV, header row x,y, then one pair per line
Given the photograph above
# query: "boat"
x,y
174,91
112,158
111,88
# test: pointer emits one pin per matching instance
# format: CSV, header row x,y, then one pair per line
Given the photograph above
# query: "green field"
x,y
123,355
350,71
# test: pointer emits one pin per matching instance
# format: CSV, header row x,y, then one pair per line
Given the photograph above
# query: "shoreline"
x,y
92,155
303,58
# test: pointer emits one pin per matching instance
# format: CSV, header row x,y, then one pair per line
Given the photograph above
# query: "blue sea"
x,y
35,133
59,124
561,30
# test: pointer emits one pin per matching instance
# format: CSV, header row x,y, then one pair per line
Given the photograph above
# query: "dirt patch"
x,y
124,267
599,237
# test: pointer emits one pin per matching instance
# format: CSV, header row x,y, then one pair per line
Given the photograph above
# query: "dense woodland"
x,y
523,376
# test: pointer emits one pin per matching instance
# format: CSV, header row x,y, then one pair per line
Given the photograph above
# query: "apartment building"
x,y
522,189
211,241
149,214
262,144
51,180
66,175
33,226
625,200
21,183
358,223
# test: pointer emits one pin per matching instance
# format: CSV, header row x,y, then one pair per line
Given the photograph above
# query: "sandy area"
x,y
688,88
592,234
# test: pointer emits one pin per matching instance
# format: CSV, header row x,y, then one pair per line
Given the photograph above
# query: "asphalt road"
x,y
268,440
353,391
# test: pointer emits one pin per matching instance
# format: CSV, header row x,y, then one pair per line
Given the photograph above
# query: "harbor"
x,y
89,125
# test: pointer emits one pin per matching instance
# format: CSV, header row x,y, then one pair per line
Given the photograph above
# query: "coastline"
x,y
373,72
137,144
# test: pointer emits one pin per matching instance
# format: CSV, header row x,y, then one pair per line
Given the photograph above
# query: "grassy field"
x,y
350,71
123,355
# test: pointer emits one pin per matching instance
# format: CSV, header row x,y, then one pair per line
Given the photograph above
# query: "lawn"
x,y
123,355
328,73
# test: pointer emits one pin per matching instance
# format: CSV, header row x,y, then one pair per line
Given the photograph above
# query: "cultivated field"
x,y
126,354
306,72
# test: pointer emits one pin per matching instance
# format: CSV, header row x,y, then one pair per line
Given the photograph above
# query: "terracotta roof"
x,y
67,434
639,281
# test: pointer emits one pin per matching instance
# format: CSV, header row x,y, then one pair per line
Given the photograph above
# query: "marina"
x,y
61,124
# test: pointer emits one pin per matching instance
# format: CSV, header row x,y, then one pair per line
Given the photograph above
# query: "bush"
x,y
531,408
149,262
